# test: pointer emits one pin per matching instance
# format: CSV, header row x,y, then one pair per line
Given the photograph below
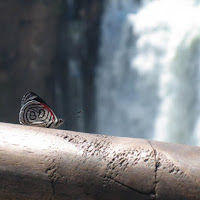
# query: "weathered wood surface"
x,y
39,163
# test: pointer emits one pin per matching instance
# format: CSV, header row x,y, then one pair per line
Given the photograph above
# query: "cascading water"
x,y
148,72
179,78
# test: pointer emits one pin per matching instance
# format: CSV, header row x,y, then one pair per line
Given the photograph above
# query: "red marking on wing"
x,y
49,109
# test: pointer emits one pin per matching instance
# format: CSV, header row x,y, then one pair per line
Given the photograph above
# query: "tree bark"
x,y
40,163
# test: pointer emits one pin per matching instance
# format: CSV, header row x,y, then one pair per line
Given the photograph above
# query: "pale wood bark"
x,y
40,163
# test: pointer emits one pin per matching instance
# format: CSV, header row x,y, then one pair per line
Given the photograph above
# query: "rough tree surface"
x,y
39,163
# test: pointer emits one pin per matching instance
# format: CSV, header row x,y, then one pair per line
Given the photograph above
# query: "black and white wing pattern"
x,y
35,112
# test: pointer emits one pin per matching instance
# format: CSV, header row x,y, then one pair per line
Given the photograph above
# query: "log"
x,y
41,163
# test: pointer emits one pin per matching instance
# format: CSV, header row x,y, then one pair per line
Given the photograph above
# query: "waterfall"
x,y
148,72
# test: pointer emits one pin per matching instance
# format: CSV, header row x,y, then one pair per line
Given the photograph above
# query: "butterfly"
x,y
35,112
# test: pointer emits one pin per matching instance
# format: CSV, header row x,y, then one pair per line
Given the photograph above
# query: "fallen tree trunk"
x,y
40,163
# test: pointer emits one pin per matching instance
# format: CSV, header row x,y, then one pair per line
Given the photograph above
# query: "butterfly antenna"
x,y
71,119
75,115
79,112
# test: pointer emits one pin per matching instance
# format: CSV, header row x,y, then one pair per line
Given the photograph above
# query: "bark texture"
x,y
39,163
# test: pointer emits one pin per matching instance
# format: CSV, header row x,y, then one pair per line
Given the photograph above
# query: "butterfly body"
x,y
35,112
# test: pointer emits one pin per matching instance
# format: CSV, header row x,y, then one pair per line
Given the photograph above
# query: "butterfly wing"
x,y
30,96
36,113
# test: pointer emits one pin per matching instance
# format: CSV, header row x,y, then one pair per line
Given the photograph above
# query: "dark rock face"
x,y
77,56
49,47
28,32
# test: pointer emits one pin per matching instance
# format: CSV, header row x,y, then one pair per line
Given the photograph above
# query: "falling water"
x,y
148,73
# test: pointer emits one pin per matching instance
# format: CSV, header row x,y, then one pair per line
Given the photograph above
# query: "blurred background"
x,y
131,66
